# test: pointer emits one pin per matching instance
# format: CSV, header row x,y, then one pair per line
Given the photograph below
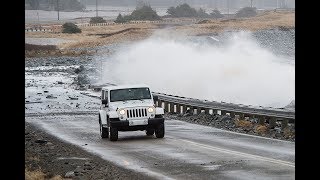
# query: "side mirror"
x,y
104,101
155,98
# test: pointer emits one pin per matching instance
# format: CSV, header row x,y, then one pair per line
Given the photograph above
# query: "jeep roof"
x,y
124,86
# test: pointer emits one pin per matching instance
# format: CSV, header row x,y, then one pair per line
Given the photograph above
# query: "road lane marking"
x,y
286,163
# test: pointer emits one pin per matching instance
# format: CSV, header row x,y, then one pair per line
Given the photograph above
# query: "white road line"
x,y
286,163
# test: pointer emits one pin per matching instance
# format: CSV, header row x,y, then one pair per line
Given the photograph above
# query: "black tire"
x,y
113,134
149,132
159,131
158,116
104,133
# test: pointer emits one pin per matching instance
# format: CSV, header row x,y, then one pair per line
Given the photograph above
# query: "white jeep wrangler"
x,y
129,108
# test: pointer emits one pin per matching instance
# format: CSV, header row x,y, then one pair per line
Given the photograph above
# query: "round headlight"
x,y
150,110
122,112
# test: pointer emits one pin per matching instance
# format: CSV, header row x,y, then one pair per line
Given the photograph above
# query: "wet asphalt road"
x,y
188,151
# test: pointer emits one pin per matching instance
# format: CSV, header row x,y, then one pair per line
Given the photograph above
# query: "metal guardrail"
x,y
228,107
263,114
279,113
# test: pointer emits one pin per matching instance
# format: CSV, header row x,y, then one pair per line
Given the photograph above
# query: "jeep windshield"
x,y
129,94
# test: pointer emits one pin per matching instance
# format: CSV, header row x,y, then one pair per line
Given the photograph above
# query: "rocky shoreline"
x,y
248,126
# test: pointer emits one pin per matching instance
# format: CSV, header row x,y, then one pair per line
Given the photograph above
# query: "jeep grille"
x,y
136,113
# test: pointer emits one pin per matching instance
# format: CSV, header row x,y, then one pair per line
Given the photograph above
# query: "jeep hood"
x,y
131,103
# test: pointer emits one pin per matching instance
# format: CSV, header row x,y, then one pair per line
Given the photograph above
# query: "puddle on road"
x,y
212,167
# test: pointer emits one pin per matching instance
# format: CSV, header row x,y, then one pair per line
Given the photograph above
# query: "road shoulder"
x,y
54,159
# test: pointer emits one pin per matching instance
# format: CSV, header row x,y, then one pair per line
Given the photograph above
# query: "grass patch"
x,y
243,124
34,175
288,133
261,129
39,175
70,28
95,20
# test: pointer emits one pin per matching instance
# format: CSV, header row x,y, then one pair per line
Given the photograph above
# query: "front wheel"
x,y
159,131
149,132
113,134
104,133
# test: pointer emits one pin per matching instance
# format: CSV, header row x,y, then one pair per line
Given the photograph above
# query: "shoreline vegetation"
x,y
94,36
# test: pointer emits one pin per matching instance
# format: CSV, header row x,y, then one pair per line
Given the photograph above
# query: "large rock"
x,y
80,69
69,174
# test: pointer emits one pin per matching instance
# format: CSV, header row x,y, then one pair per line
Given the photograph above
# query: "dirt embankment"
x,y
46,157
33,50
93,36
265,20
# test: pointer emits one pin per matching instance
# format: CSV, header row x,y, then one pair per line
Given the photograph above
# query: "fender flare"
x,y
112,114
159,110
103,116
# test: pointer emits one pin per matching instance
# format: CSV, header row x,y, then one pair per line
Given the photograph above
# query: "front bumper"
x,y
152,122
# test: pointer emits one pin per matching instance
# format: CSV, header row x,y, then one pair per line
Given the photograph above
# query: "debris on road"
x,y
51,97
69,174
73,98
40,141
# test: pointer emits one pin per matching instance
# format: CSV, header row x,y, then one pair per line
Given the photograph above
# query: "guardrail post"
x,y
284,123
214,111
192,109
165,106
272,123
159,103
261,120
223,112
171,107
206,111
198,110
184,109
178,109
